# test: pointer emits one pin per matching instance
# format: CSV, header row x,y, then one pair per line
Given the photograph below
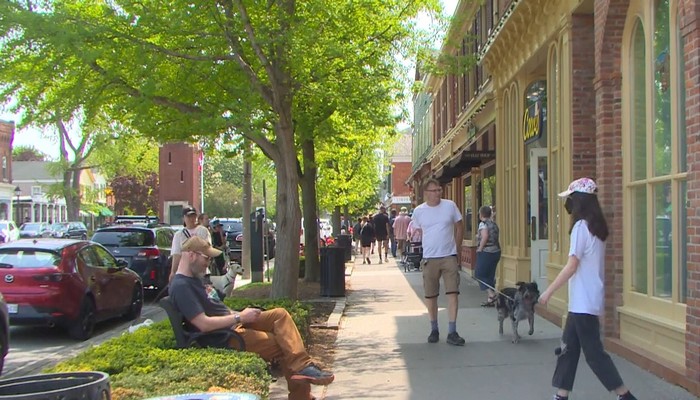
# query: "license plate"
x,y
12,308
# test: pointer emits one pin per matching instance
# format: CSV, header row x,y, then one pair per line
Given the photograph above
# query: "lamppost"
x,y
18,191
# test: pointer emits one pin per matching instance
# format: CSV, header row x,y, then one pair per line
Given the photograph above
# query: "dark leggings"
x,y
485,270
582,332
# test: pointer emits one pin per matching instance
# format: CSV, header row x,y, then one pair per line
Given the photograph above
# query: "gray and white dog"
x,y
517,304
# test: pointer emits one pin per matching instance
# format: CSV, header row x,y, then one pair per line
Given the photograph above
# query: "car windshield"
x,y
233,226
59,227
30,227
124,238
27,258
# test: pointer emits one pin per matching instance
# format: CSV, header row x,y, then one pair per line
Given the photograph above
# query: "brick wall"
x,y
179,178
690,11
399,174
610,18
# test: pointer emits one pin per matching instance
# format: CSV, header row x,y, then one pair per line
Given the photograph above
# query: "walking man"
x,y
439,221
381,231
401,229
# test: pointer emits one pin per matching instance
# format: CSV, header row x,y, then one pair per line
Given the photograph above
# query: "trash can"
x,y
66,385
345,241
332,271
210,396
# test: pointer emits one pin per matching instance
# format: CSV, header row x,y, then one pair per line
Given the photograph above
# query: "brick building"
x,y
400,164
180,180
571,88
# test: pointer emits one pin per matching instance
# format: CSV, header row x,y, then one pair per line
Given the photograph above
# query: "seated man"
x,y
271,334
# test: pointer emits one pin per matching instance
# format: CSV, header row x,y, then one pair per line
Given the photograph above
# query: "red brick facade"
x,y
400,171
7,135
179,178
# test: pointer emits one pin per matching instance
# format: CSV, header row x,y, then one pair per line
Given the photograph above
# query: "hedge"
x,y
146,363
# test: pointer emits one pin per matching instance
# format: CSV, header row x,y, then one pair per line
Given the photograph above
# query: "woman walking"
x,y
366,239
585,273
488,253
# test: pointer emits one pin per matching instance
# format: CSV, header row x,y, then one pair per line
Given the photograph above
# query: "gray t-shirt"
x,y
190,298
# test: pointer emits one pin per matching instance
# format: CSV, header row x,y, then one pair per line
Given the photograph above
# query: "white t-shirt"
x,y
180,238
586,292
438,226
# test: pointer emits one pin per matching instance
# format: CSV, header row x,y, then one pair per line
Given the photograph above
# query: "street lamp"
x,y
18,191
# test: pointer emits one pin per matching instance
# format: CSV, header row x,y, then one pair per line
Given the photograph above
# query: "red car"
x,y
69,283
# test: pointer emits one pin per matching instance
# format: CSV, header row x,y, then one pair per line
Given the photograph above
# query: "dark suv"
x,y
146,249
69,230
233,227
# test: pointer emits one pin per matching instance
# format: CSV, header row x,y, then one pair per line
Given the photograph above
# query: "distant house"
x,y
7,189
398,192
32,204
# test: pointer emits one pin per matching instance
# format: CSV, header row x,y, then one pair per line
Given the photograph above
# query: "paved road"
x,y
34,348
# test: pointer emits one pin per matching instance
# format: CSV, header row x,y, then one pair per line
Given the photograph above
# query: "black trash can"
x,y
332,271
61,386
345,241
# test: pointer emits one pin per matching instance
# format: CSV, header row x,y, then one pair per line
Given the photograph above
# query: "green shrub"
x,y
146,363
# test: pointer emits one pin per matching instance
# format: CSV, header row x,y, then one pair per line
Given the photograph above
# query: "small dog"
x,y
224,283
519,306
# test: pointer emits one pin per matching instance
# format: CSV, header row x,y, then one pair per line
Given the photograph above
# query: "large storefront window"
x,y
657,187
469,212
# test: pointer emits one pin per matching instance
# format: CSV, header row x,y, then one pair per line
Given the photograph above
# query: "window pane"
x,y
543,195
556,205
662,91
683,242
639,239
682,135
663,268
639,112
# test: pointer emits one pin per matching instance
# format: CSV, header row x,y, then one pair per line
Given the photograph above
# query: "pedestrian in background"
x,y
381,231
440,222
189,216
367,239
356,235
392,234
400,227
584,271
488,253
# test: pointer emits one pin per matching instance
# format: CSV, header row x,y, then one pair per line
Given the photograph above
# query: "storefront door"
x,y
539,228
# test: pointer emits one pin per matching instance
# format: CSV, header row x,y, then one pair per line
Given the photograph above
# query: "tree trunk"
x,y
335,220
286,276
308,195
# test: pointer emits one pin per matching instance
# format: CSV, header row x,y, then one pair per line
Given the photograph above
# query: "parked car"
x,y
73,284
69,230
136,219
4,331
34,230
145,249
8,231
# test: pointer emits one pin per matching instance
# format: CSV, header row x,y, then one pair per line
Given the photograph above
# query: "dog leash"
x,y
492,288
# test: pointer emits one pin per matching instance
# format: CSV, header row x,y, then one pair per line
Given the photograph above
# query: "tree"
x,y
251,68
137,196
27,153
125,153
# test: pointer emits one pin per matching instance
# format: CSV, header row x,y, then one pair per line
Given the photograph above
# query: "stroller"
x,y
412,256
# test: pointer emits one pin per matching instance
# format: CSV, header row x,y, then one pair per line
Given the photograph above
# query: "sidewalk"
x,y
382,350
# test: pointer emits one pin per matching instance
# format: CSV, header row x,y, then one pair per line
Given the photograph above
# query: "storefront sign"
x,y
532,123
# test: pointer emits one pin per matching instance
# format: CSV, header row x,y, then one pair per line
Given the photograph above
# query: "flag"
x,y
201,161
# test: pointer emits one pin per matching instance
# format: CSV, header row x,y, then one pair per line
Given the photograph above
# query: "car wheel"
x,y
83,327
3,347
136,303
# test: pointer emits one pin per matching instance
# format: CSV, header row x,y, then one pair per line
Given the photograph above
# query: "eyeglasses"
x,y
203,255
433,190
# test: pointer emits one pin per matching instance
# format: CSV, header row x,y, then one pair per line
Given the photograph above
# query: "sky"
x,y
48,144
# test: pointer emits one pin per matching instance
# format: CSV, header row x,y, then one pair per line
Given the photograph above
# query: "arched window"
x,y
657,155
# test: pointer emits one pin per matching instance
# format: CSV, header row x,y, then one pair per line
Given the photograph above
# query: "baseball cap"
x,y
581,185
404,209
189,211
198,245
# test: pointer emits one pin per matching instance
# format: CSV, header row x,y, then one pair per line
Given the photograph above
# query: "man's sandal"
x,y
490,302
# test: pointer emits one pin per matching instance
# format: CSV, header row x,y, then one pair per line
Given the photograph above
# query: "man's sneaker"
x,y
626,396
313,375
454,339
434,337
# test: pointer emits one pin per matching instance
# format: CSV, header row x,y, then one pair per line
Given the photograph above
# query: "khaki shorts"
x,y
433,269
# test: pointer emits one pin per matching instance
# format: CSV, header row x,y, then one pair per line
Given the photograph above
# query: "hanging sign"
x,y
533,123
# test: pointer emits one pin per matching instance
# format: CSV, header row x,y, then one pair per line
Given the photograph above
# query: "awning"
x,y
105,212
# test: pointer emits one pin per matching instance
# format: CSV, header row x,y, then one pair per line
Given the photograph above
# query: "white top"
x,y
586,292
438,226
180,238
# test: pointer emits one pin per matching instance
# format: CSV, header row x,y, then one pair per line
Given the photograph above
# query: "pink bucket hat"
x,y
581,185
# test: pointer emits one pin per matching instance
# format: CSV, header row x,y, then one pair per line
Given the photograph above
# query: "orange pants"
x,y
274,336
